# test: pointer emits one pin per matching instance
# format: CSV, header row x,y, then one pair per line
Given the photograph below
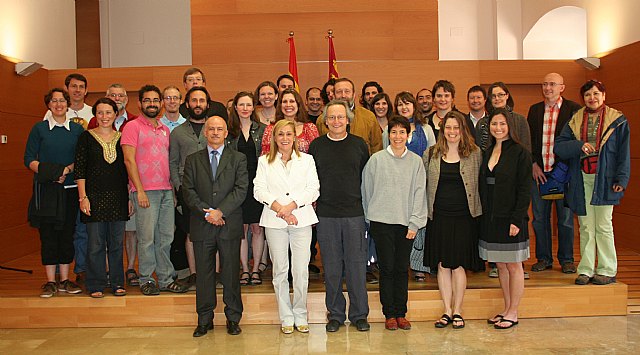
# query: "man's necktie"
x,y
214,163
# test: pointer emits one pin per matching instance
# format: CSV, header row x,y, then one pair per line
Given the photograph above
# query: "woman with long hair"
x,y
266,96
382,108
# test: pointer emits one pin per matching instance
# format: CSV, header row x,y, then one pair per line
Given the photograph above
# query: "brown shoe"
x,y
403,323
603,280
69,287
583,279
540,266
391,324
569,268
49,290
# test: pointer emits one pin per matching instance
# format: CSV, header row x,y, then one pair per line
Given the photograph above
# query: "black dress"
x,y
452,237
251,209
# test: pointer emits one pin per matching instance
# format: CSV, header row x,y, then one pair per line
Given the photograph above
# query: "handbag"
x,y
554,188
416,258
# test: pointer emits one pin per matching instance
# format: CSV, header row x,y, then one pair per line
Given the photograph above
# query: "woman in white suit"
x,y
287,184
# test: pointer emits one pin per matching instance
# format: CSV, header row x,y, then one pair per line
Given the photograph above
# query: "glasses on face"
x,y
114,95
499,95
172,98
551,84
148,101
338,117
55,101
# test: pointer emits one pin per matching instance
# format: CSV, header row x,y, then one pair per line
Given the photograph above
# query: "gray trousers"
x,y
344,251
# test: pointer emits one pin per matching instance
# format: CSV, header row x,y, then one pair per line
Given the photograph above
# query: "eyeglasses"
x,y
117,95
172,98
55,101
333,118
499,95
551,84
148,100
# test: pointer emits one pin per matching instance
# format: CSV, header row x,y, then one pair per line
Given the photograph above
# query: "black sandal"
x,y
119,291
447,321
260,269
256,280
511,323
132,278
497,317
176,287
245,281
457,318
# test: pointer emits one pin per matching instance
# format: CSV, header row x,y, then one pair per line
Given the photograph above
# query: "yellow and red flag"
x,y
293,62
333,65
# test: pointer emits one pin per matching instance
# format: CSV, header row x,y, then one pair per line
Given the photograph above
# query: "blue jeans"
x,y
542,227
104,236
154,229
80,238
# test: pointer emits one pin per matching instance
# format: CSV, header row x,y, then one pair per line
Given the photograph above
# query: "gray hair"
x,y
336,102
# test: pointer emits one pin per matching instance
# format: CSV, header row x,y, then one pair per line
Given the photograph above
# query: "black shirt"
x,y
215,109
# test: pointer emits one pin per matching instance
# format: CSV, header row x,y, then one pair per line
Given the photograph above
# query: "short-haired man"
x,y
363,124
117,93
187,139
369,90
171,97
285,81
424,98
78,111
215,183
195,77
313,101
476,98
145,144
546,120
340,158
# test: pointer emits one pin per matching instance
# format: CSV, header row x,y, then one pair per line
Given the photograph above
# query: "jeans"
x,y
80,238
154,230
542,227
104,237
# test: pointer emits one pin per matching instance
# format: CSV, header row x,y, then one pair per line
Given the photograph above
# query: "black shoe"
x,y
333,326
371,278
314,269
233,328
362,325
202,329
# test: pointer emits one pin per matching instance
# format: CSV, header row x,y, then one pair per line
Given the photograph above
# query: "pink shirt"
x,y
152,153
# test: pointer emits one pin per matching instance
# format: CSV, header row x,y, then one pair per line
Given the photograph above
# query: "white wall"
x,y
559,34
611,24
466,29
42,31
145,33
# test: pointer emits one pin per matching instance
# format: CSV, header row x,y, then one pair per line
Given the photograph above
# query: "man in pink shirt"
x,y
145,143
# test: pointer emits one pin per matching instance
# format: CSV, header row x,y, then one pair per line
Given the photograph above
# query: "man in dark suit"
x,y
546,120
214,184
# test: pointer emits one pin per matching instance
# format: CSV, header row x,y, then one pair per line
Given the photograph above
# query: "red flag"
x,y
333,65
293,62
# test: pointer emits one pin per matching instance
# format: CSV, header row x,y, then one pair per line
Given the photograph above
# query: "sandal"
x,y
440,324
245,281
511,323
256,280
260,269
496,319
119,291
457,318
97,294
176,287
420,278
132,278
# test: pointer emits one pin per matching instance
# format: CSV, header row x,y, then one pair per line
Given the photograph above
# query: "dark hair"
x,y
192,71
466,145
498,84
323,92
306,95
446,85
187,96
145,89
406,96
398,121
49,95
234,119
379,97
590,84
256,96
477,88
284,76
510,123
76,76
107,101
301,116
364,87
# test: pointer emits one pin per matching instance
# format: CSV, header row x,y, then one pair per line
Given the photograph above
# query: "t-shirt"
x,y
152,153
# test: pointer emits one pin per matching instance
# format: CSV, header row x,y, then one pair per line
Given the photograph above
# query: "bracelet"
x,y
82,199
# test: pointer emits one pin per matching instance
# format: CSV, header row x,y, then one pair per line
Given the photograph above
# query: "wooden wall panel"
x,y
249,32
88,52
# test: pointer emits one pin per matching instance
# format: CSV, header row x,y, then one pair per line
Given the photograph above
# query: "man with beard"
x,y
145,144
424,97
193,77
369,90
314,104
363,124
185,140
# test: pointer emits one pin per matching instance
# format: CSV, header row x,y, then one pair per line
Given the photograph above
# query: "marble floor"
x,y
585,335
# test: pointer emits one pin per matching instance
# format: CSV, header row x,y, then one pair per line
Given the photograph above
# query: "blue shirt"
x,y
171,124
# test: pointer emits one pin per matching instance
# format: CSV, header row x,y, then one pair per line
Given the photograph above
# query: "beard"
x,y
151,114
196,116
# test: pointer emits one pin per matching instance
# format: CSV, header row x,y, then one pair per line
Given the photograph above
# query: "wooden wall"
x,y
88,34
21,105
620,74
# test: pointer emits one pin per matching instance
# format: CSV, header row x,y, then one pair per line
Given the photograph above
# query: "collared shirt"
x,y
548,133
120,120
391,151
219,150
172,124
53,123
474,119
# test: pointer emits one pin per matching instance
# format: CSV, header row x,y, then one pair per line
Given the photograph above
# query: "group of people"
x,y
409,184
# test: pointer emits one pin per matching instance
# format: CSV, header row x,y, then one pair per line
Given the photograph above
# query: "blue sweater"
x,y
57,145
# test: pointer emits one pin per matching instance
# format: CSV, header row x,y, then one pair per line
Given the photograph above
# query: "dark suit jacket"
x,y
536,121
226,194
